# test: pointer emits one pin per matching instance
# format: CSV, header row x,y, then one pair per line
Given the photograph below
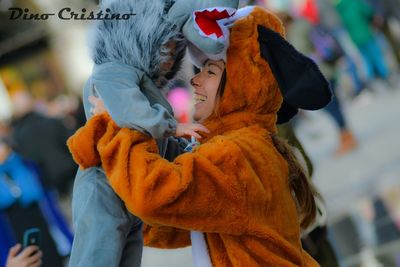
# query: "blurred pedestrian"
x,y
43,141
319,43
384,11
20,194
17,183
69,109
357,17
28,257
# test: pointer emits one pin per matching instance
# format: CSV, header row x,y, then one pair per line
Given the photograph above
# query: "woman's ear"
x,y
300,81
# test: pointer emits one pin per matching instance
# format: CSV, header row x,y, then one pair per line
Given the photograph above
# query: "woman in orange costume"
x,y
240,194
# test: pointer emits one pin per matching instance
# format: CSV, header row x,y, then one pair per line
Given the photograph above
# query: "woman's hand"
x,y
98,105
29,257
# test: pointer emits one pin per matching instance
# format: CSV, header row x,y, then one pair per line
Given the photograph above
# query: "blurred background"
x,y
353,144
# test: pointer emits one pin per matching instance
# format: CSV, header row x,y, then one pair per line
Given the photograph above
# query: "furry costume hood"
x,y
136,42
267,79
251,93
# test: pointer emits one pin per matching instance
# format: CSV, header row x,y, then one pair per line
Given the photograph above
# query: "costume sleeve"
x,y
204,190
119,88
165,237
82,144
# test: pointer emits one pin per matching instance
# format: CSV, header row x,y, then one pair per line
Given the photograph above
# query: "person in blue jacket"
x,y
17,183
20,194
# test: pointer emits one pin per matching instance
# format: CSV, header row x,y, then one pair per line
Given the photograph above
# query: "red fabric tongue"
x,y
207,21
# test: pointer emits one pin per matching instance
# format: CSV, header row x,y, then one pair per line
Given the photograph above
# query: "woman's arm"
x,y
204,190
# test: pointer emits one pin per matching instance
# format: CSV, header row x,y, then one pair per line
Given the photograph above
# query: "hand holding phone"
x,y
31,238
28,257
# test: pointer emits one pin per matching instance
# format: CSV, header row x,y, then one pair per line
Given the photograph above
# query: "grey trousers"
x,y
105,233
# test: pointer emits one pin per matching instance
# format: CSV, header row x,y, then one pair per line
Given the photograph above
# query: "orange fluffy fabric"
x,y
233,187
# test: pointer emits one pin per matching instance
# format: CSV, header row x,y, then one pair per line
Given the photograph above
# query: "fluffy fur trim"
x,y
138,41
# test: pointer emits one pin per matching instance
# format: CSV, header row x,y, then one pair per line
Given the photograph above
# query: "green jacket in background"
x,y
356,16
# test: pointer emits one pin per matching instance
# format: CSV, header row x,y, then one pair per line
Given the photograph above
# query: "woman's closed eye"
x,y
211,70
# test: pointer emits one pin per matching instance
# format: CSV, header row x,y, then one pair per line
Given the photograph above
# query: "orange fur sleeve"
x,y
82,144
202,190
198,191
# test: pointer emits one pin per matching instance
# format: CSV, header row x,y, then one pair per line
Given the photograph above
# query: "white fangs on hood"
x,y
221,22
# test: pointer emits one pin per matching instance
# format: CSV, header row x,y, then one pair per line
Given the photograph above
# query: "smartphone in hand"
x,y
31,238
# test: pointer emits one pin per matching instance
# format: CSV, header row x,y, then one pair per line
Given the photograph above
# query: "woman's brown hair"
x,y
299,182
220,91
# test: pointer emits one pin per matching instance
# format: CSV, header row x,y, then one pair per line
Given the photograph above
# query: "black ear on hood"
x,y
301,82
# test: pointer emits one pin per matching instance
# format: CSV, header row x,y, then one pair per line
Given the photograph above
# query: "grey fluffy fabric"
x,y
137,41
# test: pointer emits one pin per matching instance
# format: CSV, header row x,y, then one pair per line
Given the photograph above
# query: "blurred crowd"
x,y
356,43
37,172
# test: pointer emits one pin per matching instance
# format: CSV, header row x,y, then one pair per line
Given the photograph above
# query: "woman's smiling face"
x,y
206,84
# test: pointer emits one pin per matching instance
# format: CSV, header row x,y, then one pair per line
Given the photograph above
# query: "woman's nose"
x,y
195,81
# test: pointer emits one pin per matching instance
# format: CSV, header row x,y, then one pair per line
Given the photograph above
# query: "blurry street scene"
x,y
361,187
353,144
